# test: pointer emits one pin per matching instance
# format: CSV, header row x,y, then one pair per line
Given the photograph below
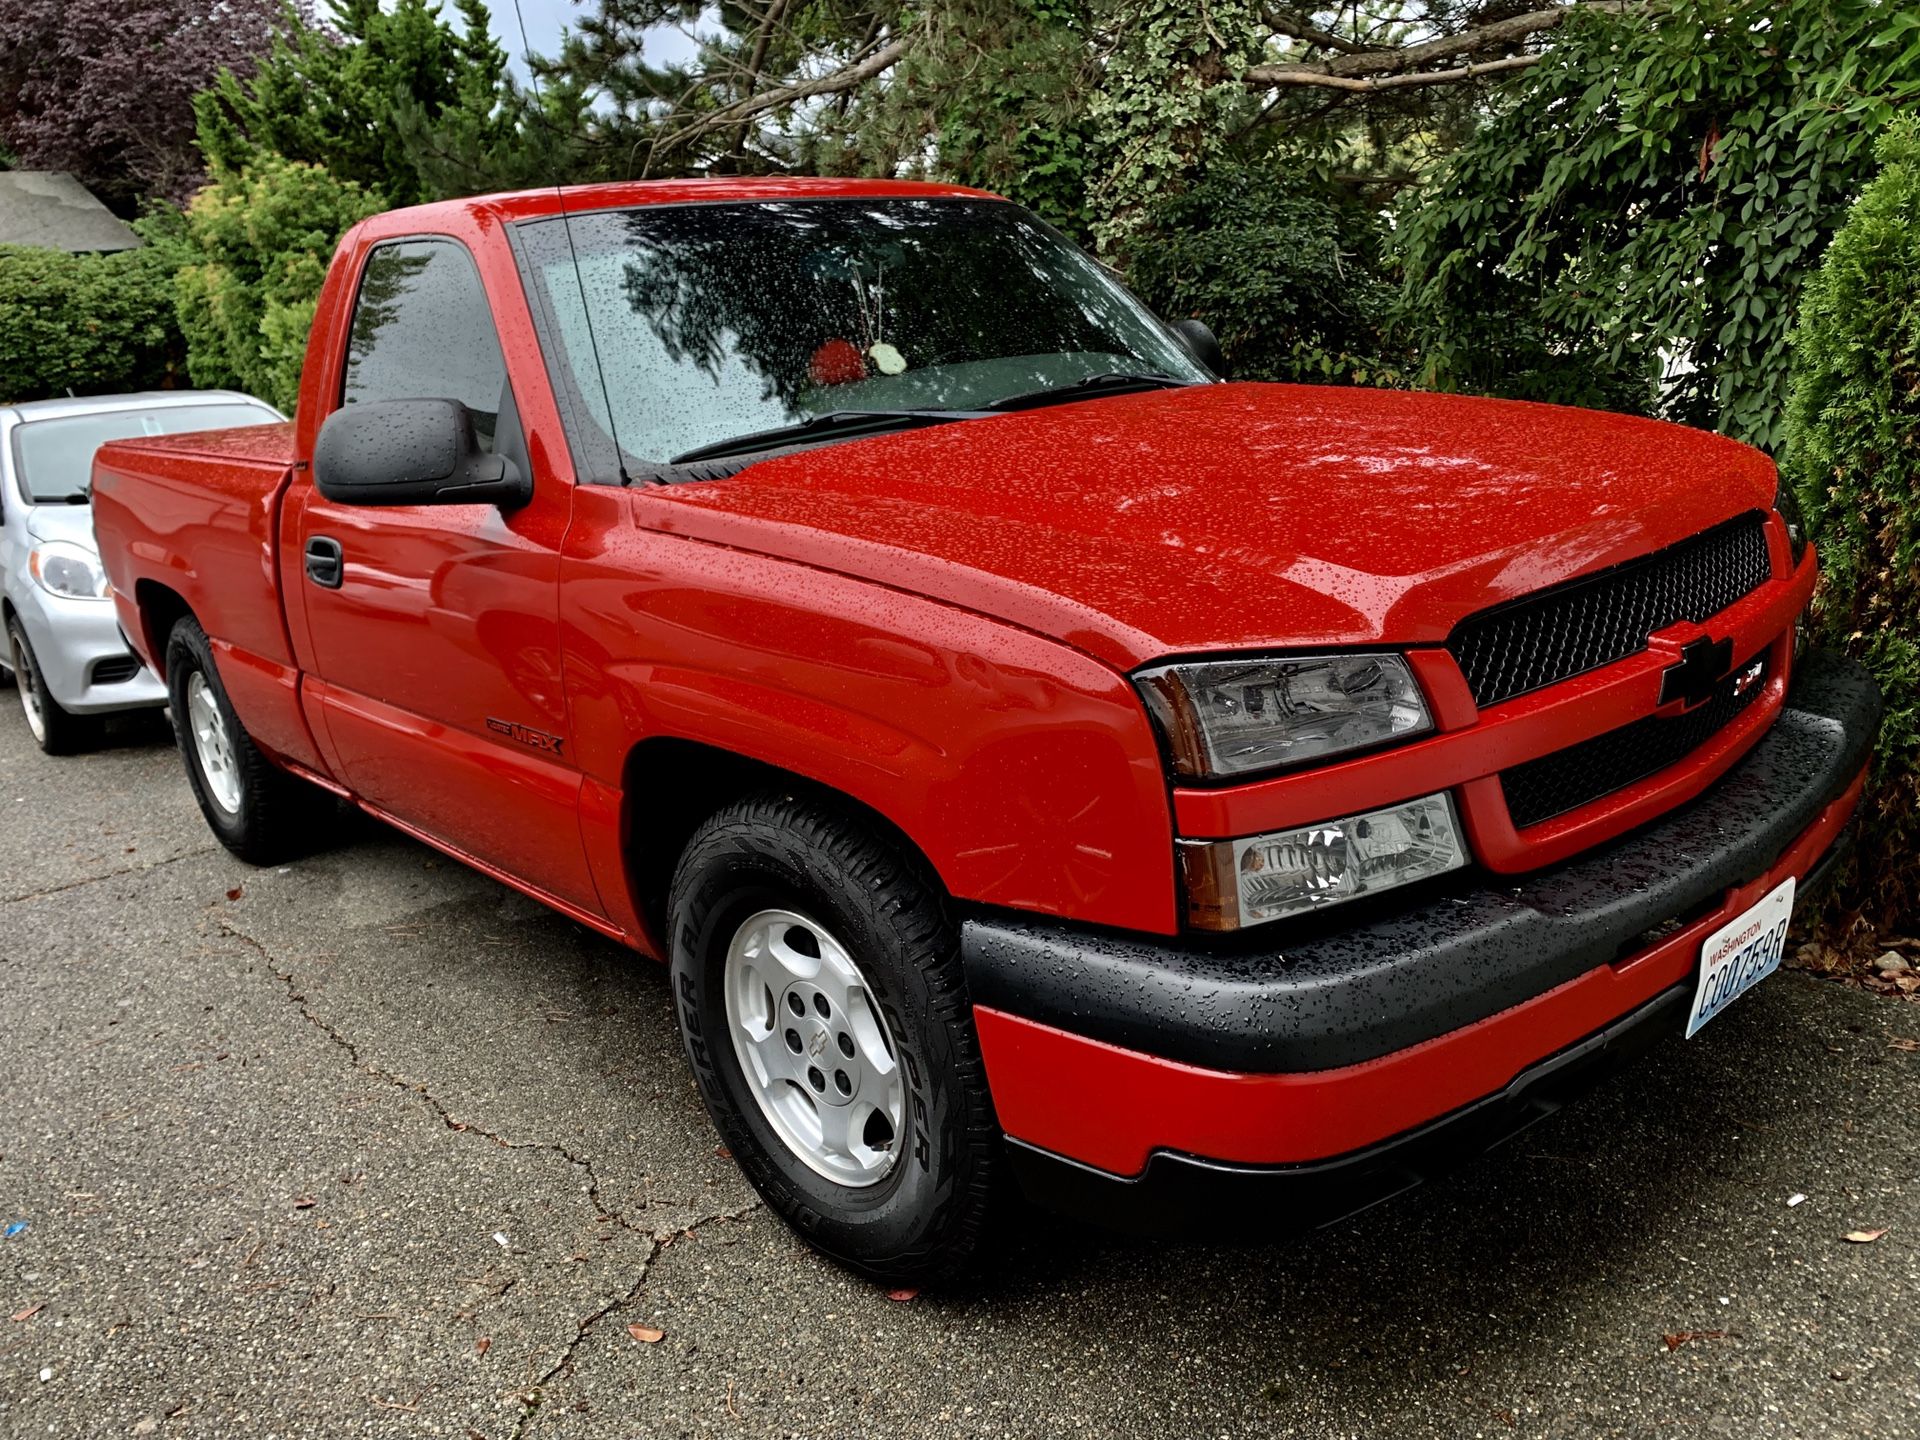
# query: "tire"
x,y
57,731
829,879
254,808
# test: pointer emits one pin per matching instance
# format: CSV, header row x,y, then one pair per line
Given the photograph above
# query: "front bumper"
x,y
83,657
1119,1060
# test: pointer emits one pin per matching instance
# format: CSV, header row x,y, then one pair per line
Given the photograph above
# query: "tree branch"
x,y
1400,67
747,106
1300,27
1301,75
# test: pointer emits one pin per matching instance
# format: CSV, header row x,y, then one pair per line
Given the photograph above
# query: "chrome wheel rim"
x,y
814,1047
27,681
212,745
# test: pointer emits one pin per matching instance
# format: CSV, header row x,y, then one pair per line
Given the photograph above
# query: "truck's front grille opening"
x,y
1570,629
115,670
1580,774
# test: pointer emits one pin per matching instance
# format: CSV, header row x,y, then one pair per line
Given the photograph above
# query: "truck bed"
x,y
191,523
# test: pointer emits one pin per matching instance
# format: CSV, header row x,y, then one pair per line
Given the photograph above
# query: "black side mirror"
x,y
1200,344
412,452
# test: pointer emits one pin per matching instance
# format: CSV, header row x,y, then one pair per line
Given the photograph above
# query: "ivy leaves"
x,y
1647,203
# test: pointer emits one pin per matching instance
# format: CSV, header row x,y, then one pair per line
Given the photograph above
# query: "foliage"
x,y
1853,454
1288,272
994,94
83,323
1170,85
399,102
103,88
255,248
1091,111
1636,221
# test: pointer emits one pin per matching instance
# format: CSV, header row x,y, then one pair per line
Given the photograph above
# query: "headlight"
x,y
1232,884
1229,717
68,570
1788,504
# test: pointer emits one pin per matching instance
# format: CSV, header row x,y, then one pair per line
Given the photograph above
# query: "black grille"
x,y
116,671
1570,778
1593,621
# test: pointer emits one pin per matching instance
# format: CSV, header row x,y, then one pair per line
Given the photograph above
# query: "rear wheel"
x,y
56,730
818,982
257,810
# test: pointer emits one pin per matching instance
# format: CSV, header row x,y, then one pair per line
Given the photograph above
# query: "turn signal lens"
x,y
1232,884
1232,717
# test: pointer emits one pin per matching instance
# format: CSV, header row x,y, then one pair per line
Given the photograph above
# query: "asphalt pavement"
x,y
370,1145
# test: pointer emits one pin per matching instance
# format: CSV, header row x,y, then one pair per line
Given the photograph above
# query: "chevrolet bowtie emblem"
x,y
1702,665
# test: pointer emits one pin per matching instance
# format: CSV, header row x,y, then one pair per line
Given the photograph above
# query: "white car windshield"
x,y
55,456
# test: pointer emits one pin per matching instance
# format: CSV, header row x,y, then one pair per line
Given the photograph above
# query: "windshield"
x,y
712,322
55,456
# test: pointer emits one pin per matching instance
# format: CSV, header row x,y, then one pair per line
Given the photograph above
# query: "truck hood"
x,y
1232,517
62,522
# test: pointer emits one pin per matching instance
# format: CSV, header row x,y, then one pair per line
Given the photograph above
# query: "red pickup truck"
x,y
1034,756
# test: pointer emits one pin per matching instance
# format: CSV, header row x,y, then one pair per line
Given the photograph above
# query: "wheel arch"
x,y
671,785
160,608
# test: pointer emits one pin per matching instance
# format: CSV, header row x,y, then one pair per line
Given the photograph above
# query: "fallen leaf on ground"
x,y
482,1345
646,1334
1864,1237
236,892
1681,1337
901,1294
723,1152
30,1311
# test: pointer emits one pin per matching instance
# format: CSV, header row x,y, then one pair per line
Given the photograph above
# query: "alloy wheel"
x,y
814,1047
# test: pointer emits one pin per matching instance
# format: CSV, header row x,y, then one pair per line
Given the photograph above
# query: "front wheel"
x,y
820,994
254,808
56,730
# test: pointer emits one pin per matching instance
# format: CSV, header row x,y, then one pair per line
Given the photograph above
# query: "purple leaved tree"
x,y
104,88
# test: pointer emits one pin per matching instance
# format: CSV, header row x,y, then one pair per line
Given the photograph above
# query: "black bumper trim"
x,y
1361,986
1186,1194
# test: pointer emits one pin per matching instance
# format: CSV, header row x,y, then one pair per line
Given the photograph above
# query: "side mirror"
x,y
1200,344
412,452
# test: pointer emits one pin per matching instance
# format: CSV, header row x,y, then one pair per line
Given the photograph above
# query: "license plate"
x,y
1740,954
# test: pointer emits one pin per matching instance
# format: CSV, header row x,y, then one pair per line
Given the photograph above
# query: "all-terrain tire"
x,y
879,903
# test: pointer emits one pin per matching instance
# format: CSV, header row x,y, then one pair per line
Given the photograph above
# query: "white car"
x,y
63,647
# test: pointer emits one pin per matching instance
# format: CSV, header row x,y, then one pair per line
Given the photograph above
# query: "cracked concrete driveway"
x,y
369,1145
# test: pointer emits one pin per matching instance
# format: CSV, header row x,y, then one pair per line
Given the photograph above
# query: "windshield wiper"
x,y
1101,380
831,422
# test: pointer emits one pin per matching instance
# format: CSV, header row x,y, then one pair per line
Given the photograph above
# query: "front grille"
x,y
1570,778
1580,626
116,670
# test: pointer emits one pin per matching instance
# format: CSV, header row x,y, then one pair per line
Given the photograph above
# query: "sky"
x,y
546,19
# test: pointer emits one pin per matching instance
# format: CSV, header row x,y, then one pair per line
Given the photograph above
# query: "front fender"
x,y
1023,770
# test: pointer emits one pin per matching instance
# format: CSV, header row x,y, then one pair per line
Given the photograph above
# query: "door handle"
x,y
326,562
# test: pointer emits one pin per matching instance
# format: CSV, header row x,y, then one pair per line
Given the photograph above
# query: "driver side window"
x,y
422,331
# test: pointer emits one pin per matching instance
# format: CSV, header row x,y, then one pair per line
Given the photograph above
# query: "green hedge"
x,y
252,254
85,323
1853,454
1289,276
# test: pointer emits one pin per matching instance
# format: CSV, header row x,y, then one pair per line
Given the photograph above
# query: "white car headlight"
x,y
1232,717
1232,884
70,571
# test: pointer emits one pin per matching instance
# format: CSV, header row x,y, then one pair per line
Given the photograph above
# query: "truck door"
x,y
434,630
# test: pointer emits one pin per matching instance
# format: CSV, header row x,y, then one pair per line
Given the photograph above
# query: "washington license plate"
x,y
1741,953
